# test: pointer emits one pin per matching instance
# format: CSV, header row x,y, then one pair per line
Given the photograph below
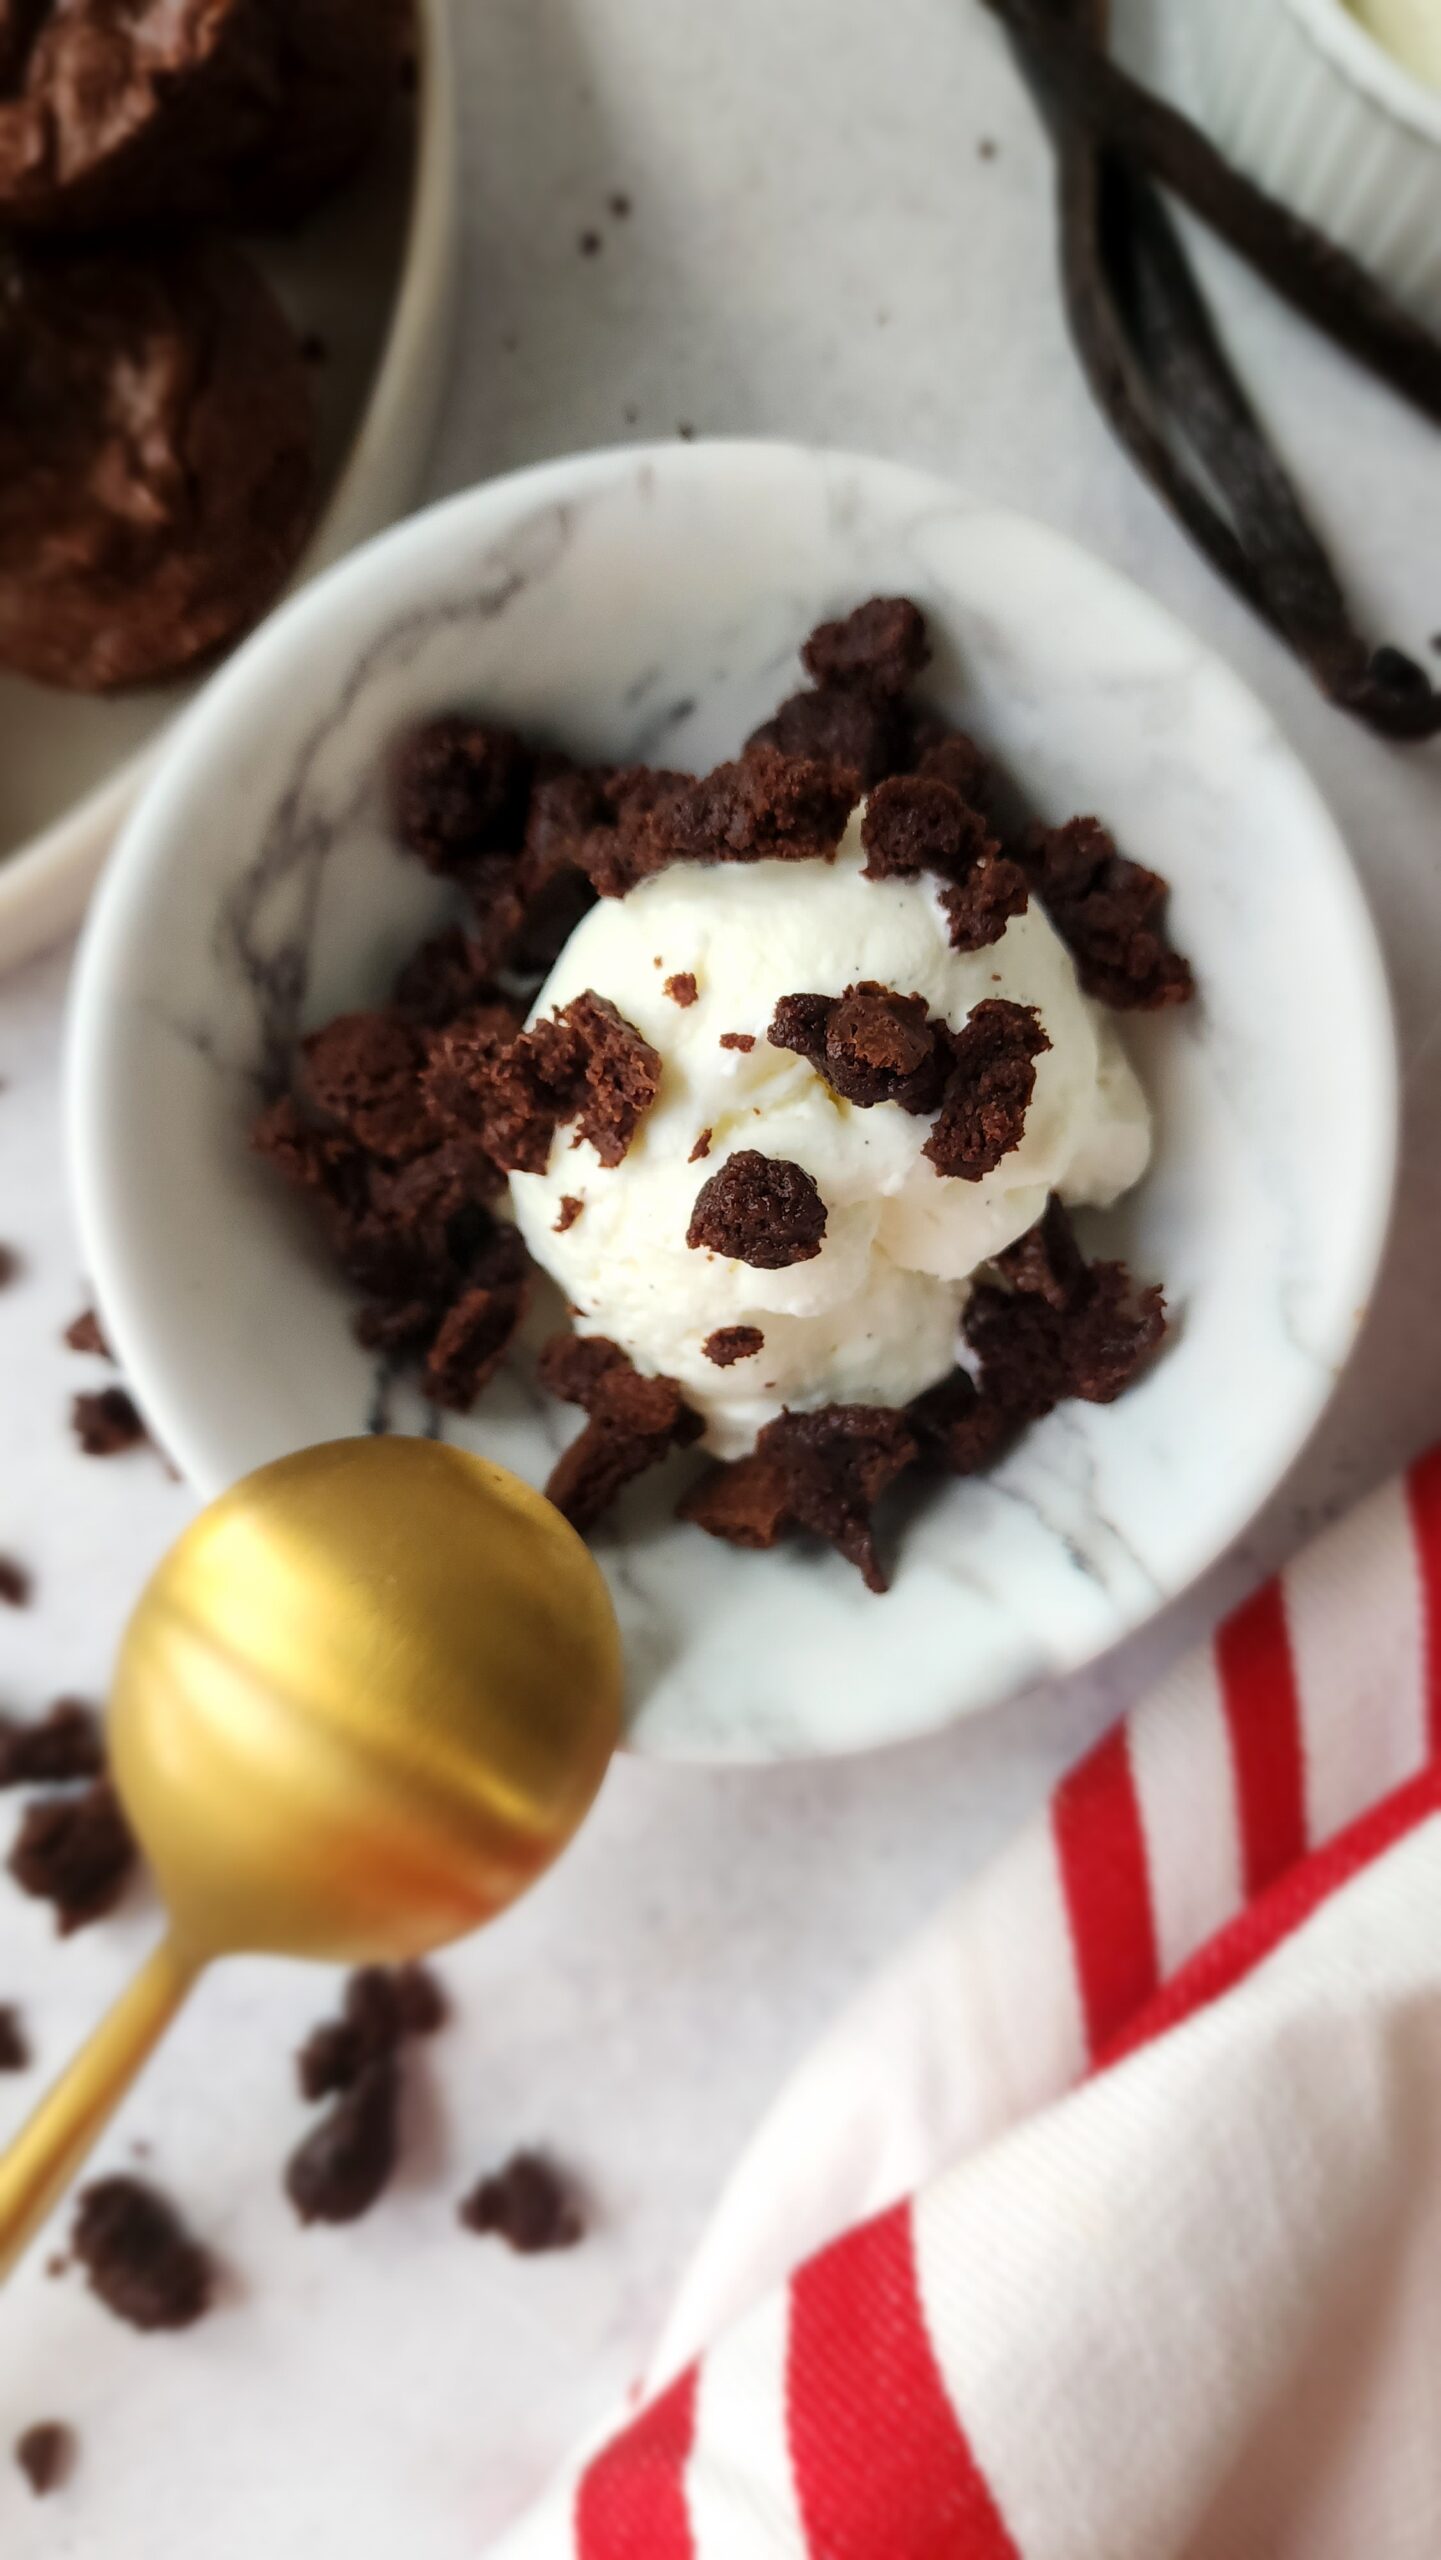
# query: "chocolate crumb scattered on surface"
x,y
681,988
993,1076
379,2009
9,1261
620,206
64,1744
138,2256
589,244
761,1210
570,1209
14,2051
733,1342
75,1852
107,1424
14,1584
745,1041
85,1334
46,2455
986,149
525,2204
346,2162
420,2000
701,1149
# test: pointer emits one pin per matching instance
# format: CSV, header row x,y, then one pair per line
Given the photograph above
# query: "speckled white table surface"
x,y
817,245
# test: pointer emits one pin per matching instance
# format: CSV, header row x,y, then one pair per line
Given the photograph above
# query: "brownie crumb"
x,y
9,1262
379,2009
993,1077
570,1209
823,1472
460,793
107,1424
686,431
979,908
681,988
472,1340
420,2000
526,2205
766,808
345,2164
14,1584
14,2051
861,734
961,1429
620,206
986,149
1110,913
871,1045
761,1210
1047,1261
914,824
85,1334
733,1342
745,1041
1033,1354
46,2455
880,648
64,1745
701,1149
75,1852
511,1091
589,244
949,755
632,1423
138,2256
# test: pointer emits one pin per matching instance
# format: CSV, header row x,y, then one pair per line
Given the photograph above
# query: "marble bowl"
x,y
648,603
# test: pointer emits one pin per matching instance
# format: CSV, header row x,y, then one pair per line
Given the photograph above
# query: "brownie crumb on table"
x,y
85,1333
632,1423
346,2162
75,1852
766,807
379,2009
46,2455
14,1584
761,1210
62,1745
14,2051
138,2256
733,1342
527,2205
871,1045
107,1424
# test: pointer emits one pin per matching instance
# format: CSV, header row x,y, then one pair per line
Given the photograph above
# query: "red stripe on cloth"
x,y
630,2503
1295,1898
1423,1491
880,2461
1096,1821
1263,1719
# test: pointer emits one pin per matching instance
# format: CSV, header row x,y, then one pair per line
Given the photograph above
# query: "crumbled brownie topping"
x,y
512,1091
472,1340
9,1262
633,1423
948,755
346,2162
766,808
870,1044
420,2000
860,734
959,1428
879,648
138,2256
461,788
993,1077
85,1335
64,1745
569,1211
1047,1261
14,2051
46,2455
14,1584
443,978
75,1852
733,1342
107,1424
760,1210
745,1041
823,1472
701,1149
525,2204
681,988
362,1074
980,907
379,2009
1110,913
1033,1354
912,825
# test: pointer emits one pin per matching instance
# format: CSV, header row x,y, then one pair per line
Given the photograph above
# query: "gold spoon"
x,y
363,1702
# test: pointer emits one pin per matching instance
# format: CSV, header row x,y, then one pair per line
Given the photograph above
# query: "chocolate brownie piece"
x,y
84,1334
1110,913
14,1584
632,1424
948,755
511,1091
823,1472
765,808
156,460
631,838
915,823
758,1209
138,2256
526,2204
871,1045
1047,1261
75,1852
992,1079
960,1428
733,1342
701,1149
46,2455
346,2162
1033,1354
14,2051
107,1424
362,1074
461,792
10,1265
565,1217
681,988
446,976
860,734
881,647
379,2009
64,1744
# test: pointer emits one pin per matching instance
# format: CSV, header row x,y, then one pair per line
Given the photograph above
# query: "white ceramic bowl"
x,y
1301,96
648,603
373,274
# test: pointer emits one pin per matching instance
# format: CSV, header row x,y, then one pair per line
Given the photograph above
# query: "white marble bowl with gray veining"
x,y
648,604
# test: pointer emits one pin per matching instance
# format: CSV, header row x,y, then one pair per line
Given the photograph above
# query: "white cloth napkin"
x,y
1107,2224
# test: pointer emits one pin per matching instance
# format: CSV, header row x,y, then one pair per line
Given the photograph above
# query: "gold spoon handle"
x,y
49,2149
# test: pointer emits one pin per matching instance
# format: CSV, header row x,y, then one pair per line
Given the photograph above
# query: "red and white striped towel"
x,y
1107,2225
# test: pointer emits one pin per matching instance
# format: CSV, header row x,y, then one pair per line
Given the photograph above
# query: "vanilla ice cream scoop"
x,y
1411,29
698,959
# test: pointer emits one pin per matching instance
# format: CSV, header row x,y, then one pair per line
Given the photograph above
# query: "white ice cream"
x,y
874,1318
1411,29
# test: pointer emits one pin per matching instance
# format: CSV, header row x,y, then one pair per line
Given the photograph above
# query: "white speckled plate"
x,y
646,603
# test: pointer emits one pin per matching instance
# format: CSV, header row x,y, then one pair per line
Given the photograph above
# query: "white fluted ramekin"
x,y
1300,96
